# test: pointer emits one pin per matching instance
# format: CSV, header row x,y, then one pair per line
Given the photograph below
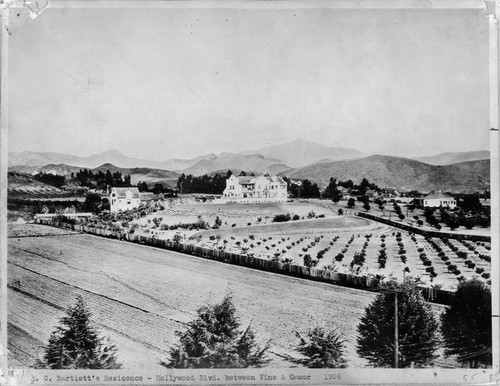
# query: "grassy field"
x,y
141,295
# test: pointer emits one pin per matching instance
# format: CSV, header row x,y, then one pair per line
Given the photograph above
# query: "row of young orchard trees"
x,y
215,339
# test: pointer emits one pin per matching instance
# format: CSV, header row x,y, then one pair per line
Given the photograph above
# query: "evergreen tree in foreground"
x,y
76,344
417,329
213,340
321,349
466,324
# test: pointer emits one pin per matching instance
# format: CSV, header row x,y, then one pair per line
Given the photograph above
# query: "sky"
x,y
177,83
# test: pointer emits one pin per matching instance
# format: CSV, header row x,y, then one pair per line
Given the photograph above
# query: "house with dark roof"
x,y
122,199
438,199
262,188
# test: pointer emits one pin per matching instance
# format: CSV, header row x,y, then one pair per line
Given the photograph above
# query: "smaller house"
x,y
370,193
121,199
436,200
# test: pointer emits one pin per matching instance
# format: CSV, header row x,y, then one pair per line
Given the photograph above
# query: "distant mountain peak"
x,y
111,152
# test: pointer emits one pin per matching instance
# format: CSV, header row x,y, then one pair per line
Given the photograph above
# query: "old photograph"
x,y
281,186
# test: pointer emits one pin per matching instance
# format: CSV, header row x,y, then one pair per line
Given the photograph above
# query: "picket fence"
x,y
370,282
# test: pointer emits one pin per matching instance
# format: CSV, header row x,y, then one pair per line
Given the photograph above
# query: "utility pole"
x,y
396,338
395,291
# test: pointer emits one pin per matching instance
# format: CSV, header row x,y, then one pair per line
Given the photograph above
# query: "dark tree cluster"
x,y
332,192
50,179
100,179
158,188
362,187
305,189
465,327
202,184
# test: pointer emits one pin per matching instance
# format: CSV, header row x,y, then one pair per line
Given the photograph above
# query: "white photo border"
x,y
345,376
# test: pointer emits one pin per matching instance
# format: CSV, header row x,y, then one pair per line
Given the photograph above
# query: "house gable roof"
x,y
438,196
122,192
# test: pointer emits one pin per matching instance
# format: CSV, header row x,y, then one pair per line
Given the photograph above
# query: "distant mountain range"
x,y
114,157
452,158
398,172
299,153
297,159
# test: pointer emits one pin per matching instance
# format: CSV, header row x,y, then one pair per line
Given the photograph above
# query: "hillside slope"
x,y
388,171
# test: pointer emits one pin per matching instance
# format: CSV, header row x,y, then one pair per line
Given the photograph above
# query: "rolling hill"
x,y
388,171
149,175
300,153
59,169
456,157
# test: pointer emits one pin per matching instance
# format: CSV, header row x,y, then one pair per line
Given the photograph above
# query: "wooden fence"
x,y
370,282
423,232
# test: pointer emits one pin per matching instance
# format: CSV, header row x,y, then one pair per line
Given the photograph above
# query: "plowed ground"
x,y
140,295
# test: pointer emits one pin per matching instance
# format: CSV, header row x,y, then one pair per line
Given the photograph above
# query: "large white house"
x,y
124,199
245,189
435,200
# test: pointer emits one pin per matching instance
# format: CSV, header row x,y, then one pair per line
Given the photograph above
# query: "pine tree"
x,y
214,340
76,344
466,324
417,329
321,349
332,192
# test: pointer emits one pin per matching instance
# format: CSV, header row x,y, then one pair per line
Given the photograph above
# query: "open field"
x,y
141,295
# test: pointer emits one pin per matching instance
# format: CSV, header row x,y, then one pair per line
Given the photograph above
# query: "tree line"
x,y
215,184
50,179
86,177
216,339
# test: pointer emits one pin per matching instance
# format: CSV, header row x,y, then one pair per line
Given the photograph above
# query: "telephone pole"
x,y
396,333
396,323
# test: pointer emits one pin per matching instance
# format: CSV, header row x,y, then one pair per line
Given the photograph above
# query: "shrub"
x,y
76,344
461,254
418,328
466,325
214,340
321,349
281,217
309,262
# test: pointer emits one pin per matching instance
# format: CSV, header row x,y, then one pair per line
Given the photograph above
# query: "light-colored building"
x,y
255,189
435,200
124,199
